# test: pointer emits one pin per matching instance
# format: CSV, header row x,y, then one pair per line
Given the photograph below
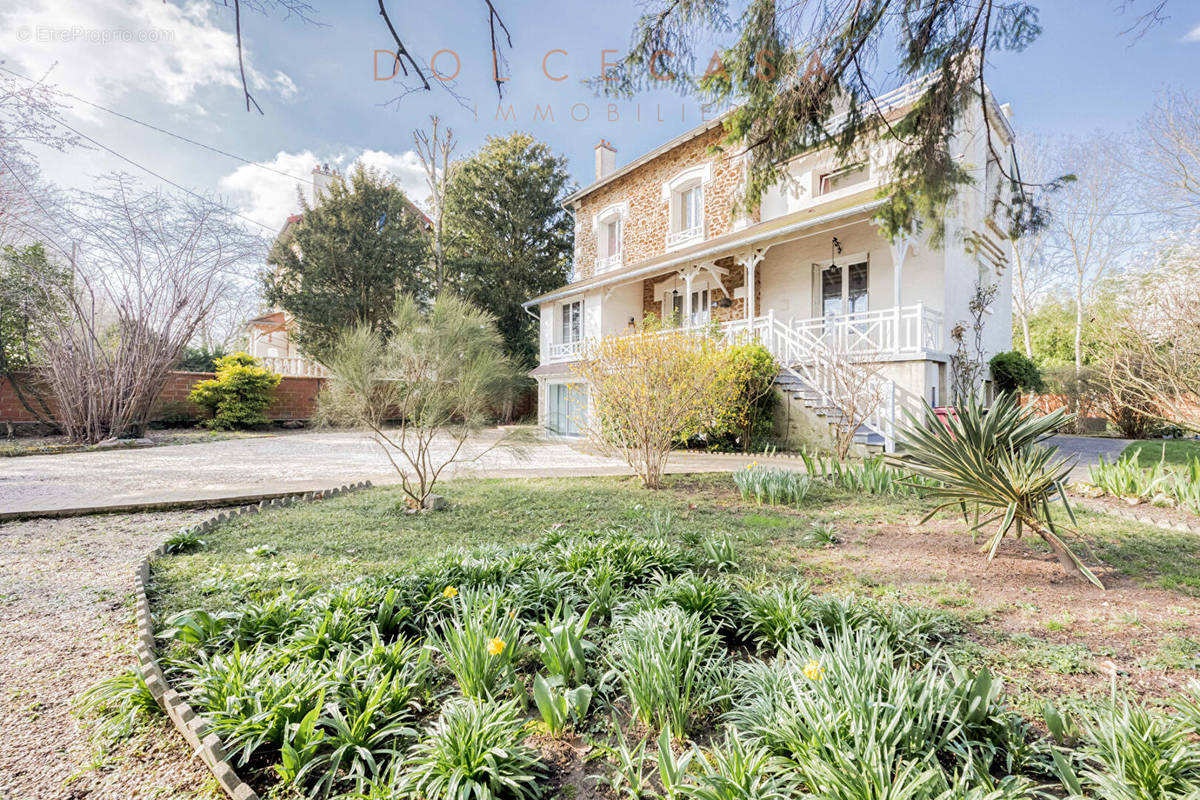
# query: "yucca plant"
x,y
993,460
478,641
475,751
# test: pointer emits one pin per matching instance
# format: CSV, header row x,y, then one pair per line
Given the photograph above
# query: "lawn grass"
x,y
1049,638
1176,452
369,533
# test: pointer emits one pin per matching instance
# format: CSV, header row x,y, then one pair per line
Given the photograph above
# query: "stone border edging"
x,y
194,727
1132,516
164,505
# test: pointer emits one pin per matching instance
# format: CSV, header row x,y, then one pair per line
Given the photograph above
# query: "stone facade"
x,y
736,279
647,224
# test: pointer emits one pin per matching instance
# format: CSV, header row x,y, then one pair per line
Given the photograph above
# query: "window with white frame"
x,y
609,227
685,195
572,321
829,182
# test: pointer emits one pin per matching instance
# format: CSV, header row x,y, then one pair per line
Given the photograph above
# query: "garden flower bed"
x,y
636,648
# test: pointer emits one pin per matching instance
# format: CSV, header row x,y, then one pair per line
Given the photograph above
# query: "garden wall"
x,y
294,398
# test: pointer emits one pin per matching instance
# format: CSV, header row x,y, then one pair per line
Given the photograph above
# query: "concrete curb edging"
x,y
194,727
1133,516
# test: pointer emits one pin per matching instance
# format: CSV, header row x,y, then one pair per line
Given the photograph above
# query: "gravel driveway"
x,y
286,462
66,591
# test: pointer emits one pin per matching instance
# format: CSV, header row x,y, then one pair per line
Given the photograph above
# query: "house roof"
x,y
683,138
760,233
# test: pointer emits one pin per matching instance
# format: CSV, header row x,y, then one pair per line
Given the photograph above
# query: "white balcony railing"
x,y
608,262
888,332
885,334
294,367
676,238
565,351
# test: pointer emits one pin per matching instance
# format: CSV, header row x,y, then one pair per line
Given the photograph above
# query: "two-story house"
x,y
659,236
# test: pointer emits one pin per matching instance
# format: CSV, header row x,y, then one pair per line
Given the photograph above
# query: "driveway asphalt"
x,y
293,462
1087,450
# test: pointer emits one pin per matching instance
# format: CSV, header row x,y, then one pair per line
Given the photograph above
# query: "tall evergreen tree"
x,y
507,235
348,259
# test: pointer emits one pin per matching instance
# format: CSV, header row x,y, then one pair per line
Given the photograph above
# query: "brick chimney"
x,y
606,159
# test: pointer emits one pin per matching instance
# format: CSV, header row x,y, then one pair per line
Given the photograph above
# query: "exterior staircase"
x,y
795,388
808,376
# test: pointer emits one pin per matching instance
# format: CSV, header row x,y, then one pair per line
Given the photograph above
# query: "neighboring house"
x,y
807,274
271,336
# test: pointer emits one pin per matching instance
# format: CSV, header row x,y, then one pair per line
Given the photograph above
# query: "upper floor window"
x,y
829,182
685,195
572,321
609,225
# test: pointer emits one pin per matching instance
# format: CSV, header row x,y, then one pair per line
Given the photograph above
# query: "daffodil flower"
x,y
495,646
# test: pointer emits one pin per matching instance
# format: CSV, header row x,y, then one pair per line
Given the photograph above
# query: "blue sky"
x,y
173,65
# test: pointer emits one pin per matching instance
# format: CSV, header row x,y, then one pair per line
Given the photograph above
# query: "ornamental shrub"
x,y
746,423
1013,372
239,394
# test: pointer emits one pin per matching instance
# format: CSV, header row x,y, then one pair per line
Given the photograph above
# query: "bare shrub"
x,y
144,270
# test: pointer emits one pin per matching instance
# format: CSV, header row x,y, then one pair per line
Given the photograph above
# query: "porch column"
x,y
899,252
687,297
749,261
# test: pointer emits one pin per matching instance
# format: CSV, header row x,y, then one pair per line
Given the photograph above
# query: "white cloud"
x,y
405,168
1193,35
104,50
270,198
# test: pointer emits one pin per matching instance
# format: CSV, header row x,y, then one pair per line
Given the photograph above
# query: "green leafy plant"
x,y
1133,753
183,540
239,395
820,534
563,650
770,615
855,715
475,751
720,553
559,705
671,666
772,485
736,770
994,461
478,641
119,703
1128,479
630,773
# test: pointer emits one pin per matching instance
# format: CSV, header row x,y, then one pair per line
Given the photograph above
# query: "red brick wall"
x,y
294,398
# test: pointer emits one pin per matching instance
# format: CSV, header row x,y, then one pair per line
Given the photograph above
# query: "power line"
x,y
162,178
164,131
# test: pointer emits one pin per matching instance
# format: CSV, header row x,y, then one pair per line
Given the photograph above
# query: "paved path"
x,y
1088,450
285,463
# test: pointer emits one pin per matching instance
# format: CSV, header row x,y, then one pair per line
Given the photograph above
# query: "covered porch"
x,y
841,287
